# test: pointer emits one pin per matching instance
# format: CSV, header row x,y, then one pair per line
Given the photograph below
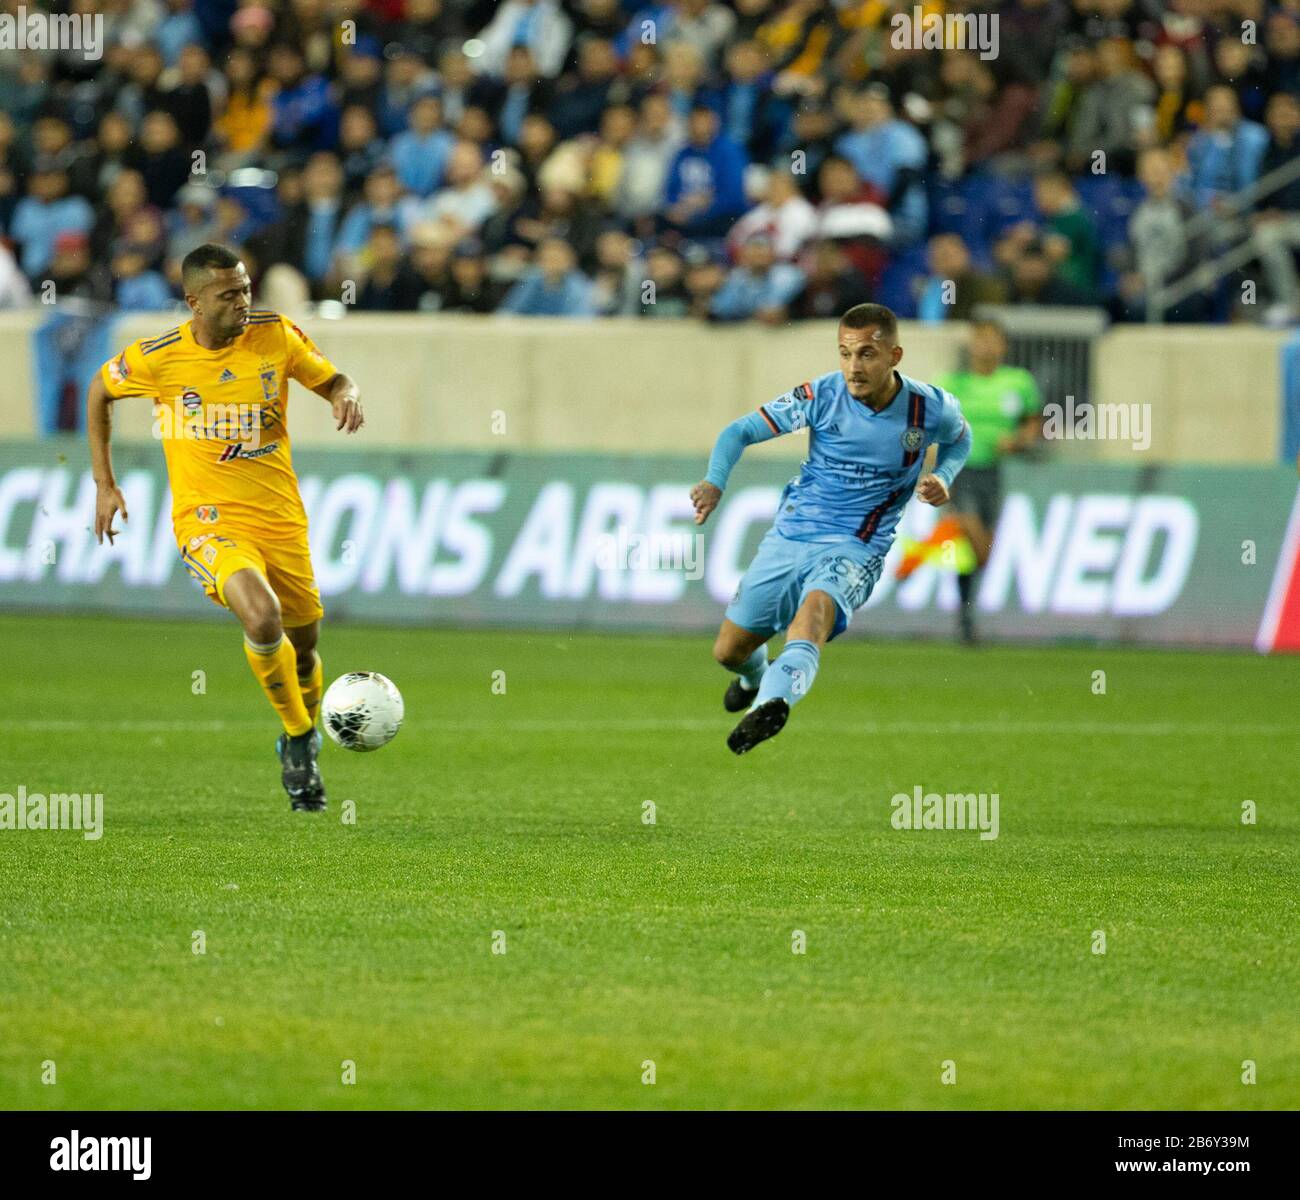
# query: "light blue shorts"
x,y
784,572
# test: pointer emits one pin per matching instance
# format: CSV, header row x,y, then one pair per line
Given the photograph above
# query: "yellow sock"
x,y
312,686
276,668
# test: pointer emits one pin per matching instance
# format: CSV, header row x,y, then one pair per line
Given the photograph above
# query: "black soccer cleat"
x,y
759,724
298,770
738,697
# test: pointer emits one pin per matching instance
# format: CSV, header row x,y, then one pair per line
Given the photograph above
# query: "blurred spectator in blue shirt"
x,y
1224,156
406,79
701,24
554,287
303,112
890,154
706,182
538,24
420,154
380,205
322,181
137,288
752,116
45,212
178,28
954,287
759,287
684,80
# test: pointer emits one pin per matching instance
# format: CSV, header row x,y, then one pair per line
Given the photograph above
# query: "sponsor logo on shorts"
x,y
207,513
198,539
210,555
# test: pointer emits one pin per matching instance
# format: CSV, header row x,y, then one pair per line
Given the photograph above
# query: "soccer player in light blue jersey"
x,y
868,431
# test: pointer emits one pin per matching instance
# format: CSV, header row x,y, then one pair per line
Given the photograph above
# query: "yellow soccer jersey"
x,y
222,418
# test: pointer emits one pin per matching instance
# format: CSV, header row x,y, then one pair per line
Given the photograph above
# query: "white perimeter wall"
x,y
646,385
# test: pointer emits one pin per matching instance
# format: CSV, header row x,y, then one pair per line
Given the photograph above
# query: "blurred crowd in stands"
x,y
765,160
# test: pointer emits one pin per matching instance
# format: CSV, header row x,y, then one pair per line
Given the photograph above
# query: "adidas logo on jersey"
x,y
227,376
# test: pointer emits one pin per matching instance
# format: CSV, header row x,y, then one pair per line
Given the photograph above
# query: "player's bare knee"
x,y
262,621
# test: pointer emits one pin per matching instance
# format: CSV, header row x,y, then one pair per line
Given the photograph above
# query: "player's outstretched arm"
x,y
345,401
934,488
727,450
109,500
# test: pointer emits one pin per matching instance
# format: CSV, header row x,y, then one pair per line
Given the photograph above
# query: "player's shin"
x,y
791,676
276,667
311,687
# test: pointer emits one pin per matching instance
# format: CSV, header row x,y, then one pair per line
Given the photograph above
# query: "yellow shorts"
x,y
213,555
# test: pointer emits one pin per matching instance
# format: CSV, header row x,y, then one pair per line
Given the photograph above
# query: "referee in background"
x,y
1004,410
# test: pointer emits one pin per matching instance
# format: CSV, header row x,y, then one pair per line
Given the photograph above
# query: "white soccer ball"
x,y
362,710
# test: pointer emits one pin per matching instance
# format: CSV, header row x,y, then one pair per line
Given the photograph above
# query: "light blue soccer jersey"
x,y
862,466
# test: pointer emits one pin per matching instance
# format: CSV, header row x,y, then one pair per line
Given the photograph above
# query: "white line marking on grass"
x,y
1008,728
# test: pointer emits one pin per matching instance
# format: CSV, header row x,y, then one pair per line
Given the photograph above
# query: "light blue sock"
x,y
792,675
752,670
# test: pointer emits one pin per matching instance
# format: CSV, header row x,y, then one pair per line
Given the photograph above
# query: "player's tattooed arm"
x,y
345,400
109,500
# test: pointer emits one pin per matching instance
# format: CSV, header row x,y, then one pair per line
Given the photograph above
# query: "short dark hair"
x,y
208,257
862,315
989,323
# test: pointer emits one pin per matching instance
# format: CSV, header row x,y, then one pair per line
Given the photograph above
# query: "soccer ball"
x,y
362,710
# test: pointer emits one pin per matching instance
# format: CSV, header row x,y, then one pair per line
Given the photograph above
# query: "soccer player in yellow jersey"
x,y
219,384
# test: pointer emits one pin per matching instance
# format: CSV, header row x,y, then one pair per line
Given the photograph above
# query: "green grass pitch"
x,y
629,942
